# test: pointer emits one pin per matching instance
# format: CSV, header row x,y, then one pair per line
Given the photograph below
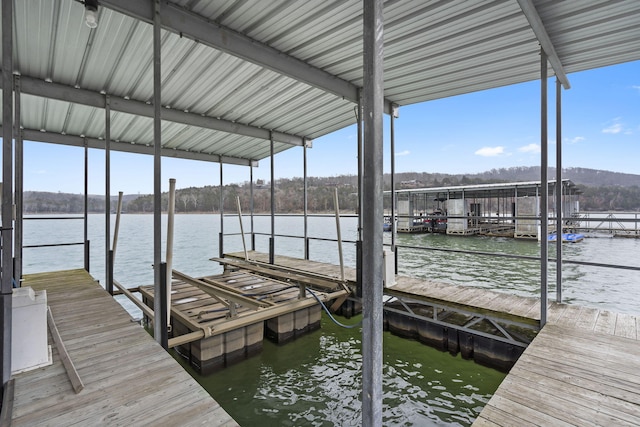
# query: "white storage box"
x,y
389,270
29,347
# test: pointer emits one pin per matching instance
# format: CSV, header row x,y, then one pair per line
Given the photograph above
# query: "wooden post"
x,y
337,209
170,221
244,244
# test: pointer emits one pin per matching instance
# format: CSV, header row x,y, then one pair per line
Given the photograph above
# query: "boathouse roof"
x,y
502,189
237,73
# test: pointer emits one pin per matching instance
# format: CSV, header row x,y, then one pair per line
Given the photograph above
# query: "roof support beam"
x,y
540,31
61,92
193,26
126,147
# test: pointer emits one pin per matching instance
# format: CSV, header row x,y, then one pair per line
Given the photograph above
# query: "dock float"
x,y
128,378
222,319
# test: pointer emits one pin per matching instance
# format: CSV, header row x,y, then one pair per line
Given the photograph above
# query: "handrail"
x,y
290,236
53,244
525,257
34,218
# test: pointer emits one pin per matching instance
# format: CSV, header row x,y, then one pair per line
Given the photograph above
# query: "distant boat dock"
x,y
505,209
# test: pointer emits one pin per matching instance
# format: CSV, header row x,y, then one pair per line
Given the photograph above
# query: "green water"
x,y
316,381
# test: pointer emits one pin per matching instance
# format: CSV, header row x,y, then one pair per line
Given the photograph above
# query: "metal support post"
x,y
305,199
395,255
87,255
110,272
360,177
559,192
393,180
372,214
86,207
251,207
272,249
221,201
158,284
171,211
19,183
306,247
107,192
544,190
273,204
6,282
160,322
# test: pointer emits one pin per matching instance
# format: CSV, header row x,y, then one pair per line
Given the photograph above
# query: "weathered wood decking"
x,y
570,376
129,379
582,368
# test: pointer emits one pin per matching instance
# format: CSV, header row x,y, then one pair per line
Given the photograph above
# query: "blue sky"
x,y
464,134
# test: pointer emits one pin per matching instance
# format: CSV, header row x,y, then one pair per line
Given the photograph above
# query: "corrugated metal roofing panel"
x,y
432,50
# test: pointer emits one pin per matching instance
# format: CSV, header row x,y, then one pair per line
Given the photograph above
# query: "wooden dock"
x,y
128,378
572,375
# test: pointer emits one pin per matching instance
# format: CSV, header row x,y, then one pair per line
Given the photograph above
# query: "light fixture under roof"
x,y
91,13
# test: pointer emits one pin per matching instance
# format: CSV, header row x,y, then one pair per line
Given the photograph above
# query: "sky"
x,y
465,134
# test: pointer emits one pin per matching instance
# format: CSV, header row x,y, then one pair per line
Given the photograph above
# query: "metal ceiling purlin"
x,y
188,24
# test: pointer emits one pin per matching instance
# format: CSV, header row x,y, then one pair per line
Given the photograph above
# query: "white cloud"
x,y
575,140
490,151
614,128
531,148
403,153
636,88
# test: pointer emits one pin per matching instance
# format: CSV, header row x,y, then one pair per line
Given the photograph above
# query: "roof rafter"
x,y
190,25
540,31
32,86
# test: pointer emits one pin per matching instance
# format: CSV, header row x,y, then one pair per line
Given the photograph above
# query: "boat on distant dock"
x,y
567,237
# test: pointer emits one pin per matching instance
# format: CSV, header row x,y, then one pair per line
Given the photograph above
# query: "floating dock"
x,y
128,378
219,320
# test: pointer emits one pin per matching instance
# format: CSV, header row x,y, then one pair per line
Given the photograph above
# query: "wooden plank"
x,y
573,376
569,316
75,379
572,404
587,318
607,382
522,414
626,326
606,322
588,394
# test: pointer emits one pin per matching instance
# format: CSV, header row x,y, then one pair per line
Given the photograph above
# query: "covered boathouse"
x,y
237,81
509,209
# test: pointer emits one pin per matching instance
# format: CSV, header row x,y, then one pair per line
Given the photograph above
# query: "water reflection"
x,y
316,381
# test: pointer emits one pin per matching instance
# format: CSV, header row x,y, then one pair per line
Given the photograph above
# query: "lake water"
x,y
316,379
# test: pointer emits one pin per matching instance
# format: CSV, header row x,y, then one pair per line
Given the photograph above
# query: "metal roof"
x,y
501,189
237,72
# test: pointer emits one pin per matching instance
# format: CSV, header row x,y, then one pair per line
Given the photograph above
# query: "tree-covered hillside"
x,y
602,190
